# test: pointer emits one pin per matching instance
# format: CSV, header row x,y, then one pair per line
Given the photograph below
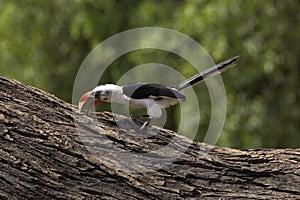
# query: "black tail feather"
x,y
210,72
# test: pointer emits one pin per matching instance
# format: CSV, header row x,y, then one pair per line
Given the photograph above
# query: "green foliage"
x,y
43,43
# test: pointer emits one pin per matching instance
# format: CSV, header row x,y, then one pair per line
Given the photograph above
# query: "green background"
x,y
43,43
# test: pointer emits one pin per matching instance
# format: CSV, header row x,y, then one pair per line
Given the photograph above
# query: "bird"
x,y
151,96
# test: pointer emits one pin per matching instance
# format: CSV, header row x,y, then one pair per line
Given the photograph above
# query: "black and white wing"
x,y
143,90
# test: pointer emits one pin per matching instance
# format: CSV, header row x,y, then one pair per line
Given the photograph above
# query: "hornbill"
x,y
151,96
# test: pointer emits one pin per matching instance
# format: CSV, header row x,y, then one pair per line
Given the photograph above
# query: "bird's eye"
x,y
97,94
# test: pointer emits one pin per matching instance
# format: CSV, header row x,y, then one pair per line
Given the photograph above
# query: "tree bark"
x,y
49,150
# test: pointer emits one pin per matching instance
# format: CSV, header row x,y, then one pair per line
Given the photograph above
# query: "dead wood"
x,y
48,150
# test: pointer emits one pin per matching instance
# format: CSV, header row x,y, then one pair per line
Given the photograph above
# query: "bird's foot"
x,y
146,123
141,119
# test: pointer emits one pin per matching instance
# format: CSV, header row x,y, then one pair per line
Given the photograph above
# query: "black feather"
x,y
143,90
212,71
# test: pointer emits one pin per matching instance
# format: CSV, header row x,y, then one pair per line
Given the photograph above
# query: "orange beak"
x,y
84,98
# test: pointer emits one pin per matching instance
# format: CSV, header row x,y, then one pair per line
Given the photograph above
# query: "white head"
x,y
104,92
99,93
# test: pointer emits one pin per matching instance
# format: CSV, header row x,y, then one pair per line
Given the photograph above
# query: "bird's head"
x,y
99,93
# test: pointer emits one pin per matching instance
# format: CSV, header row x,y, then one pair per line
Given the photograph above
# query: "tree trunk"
x,y
48,150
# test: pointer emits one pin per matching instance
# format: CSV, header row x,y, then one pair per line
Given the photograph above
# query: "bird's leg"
x,y
146,119
146,123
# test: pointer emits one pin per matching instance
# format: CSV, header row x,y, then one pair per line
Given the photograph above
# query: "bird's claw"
x,y
146,123
145,119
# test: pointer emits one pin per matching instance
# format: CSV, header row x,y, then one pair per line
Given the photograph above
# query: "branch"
x,y
49,150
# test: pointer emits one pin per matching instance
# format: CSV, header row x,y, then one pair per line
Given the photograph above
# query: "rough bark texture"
x,y
48,150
